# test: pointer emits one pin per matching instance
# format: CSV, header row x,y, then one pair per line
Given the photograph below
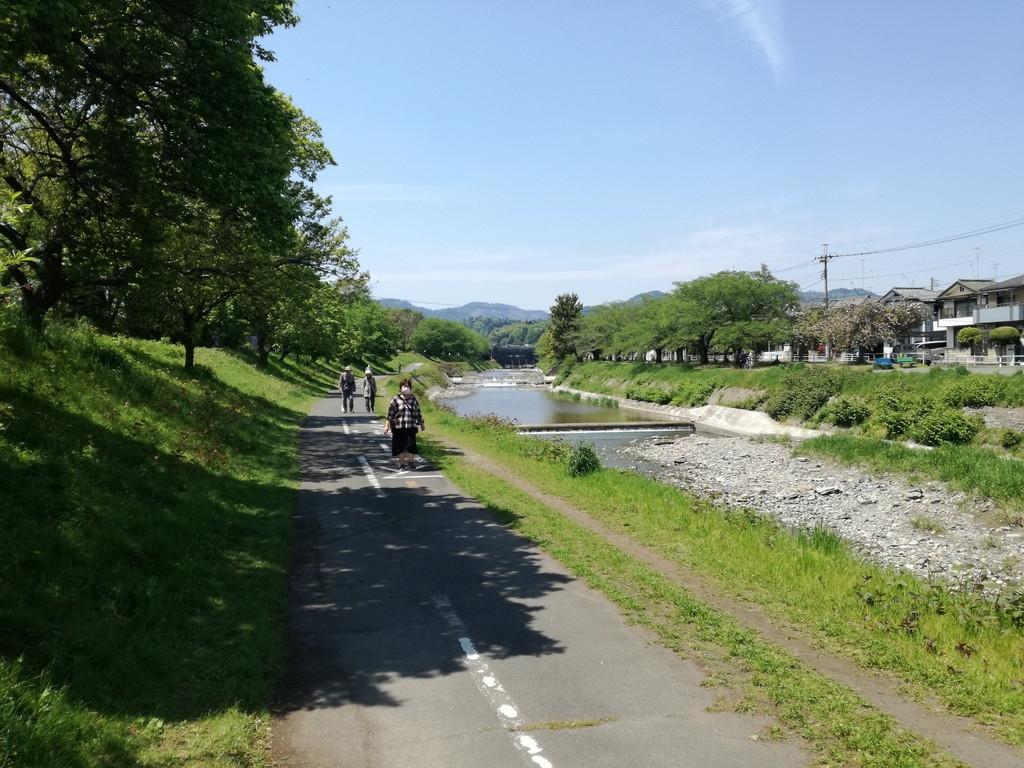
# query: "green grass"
x,y
146,527
842,729
953,646
965,467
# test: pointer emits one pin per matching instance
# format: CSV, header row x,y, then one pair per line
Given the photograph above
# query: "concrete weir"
x,y
625,426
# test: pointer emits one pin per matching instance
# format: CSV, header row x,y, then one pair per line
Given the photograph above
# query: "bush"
x,y
694,393
899,411
846,412
973,391
1003,335
944,426
582,459
969,336
802,393
1011,438
648,394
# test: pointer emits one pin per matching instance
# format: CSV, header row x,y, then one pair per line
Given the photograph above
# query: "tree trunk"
x,y
263,351
188,339
38,297
657,355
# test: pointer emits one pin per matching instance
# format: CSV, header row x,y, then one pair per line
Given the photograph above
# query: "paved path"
x,y
422,633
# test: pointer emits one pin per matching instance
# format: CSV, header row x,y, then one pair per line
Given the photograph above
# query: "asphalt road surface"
x,y
422,634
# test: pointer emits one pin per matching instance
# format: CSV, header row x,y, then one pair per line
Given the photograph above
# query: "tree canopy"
x,y
446,339
564,325
154,180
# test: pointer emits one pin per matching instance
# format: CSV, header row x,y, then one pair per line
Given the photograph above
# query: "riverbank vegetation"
x,y
893,405
146,519
953,646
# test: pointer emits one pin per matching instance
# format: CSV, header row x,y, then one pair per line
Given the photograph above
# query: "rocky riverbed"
x,y
926,528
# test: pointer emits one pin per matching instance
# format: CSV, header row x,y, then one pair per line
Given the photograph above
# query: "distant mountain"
x,y
644,296
471,310
834,294
632,300
498,311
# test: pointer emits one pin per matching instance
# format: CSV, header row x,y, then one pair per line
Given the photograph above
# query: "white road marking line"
x,y
488,685
344,427
370,477
385,447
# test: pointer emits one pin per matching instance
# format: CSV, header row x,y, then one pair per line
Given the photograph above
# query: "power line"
x,y
909,271
939,240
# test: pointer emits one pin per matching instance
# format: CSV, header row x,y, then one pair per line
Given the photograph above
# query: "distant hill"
x,y
632,300
644,296
497,311
834,294
471,310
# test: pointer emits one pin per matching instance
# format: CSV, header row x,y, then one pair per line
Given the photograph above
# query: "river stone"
x,y
800,493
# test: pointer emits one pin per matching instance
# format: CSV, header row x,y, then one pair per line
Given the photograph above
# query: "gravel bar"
x,y
928,529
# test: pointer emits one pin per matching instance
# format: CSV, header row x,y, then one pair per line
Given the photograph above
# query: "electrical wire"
x,y
905,272
937,241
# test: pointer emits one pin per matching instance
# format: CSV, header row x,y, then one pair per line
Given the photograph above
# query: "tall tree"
x,y
435,337
111,114
733,310
564,325
406,320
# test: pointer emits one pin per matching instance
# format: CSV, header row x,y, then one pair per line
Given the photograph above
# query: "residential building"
x,y
956,307
986,304
925,336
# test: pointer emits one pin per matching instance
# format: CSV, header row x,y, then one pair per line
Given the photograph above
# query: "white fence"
x,y
1000,361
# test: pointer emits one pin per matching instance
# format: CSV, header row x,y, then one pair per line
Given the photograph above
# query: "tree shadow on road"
x,y
368,573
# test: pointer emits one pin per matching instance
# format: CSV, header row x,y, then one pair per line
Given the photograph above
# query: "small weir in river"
x,y
546,414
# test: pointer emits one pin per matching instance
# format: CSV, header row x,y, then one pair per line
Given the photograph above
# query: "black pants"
x,y
348,401
369,402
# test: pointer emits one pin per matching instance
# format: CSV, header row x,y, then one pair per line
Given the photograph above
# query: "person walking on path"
x,y
404,419
347,384
369,389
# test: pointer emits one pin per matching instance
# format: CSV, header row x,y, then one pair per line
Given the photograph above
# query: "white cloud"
x,y
761,20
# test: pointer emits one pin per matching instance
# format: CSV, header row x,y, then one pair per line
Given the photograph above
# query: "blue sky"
x,y
509,152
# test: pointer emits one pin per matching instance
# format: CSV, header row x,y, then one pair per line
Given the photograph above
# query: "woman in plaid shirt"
x,y
403,421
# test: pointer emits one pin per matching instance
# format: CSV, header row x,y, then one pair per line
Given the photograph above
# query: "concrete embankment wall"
x,y
712,418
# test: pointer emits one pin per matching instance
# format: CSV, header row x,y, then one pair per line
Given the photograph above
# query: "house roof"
x,y
852,300
914,294
1002,285
970,284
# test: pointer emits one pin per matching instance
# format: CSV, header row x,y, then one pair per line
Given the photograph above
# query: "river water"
x,y
539,405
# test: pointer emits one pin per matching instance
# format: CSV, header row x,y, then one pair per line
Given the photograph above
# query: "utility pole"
x,y
825,256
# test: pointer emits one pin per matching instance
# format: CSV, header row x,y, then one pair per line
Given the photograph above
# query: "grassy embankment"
x,y
146,518
954,648
865,409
